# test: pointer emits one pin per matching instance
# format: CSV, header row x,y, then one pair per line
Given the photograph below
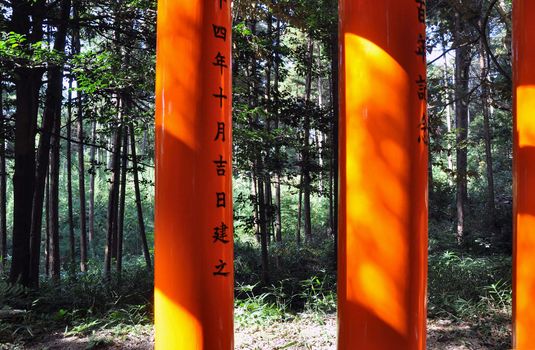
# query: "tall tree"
x,y
70,211
485,104
92,175
122,200
334,138
51,124
113,193
54,244
278,161
81,162
141,222
462,71
27,20
3,182
47,225
305,167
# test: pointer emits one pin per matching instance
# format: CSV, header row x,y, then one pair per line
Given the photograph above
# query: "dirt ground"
x,y
303,332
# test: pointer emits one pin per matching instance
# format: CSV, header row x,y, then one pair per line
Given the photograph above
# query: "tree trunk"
x,y
334,138
254,190
278,223
92,175
47,224
111,236
69,179
278,216
448,113
268,204
54,201
318,139
318,134
485,104
51,121
462,68
141,222
81,188
81,164
3,182
299,211
122,200
331,192
268,200
305,168
27,85
277,213
263,227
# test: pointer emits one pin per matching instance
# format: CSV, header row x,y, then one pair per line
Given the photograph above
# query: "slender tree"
x,y
28,80
276,78
334,138
81,162
47,224
3,182
462,71
139,207
54,245
487,133
51,125
122,201
299,211
92,175
113,194
68,152
305,167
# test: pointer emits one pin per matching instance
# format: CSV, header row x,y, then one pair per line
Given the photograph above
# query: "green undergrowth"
x,y
465,288
80,305
302,278
474,290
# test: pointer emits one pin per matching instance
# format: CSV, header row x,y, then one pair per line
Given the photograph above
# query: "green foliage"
x,y
259,309
319,295
15,47
82,304
94,71
302,280
465,286
13,293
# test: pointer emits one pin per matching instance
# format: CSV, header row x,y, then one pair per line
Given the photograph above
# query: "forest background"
x,y
77,163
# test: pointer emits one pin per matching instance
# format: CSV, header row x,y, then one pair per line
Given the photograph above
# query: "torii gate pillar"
x,y
382,255
524,175
193,294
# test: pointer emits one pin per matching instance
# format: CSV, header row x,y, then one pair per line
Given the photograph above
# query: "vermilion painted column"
x,y
193,218
383,175
524,175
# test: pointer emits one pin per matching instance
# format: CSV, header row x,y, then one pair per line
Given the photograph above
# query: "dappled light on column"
x,y
383,176
377,268
524,175
193,209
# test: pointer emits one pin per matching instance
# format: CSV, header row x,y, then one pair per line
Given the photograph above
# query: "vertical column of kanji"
x,y
193,204
524,175
419,180
383,175
218,309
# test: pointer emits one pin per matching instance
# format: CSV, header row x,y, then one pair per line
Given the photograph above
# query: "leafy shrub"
x,y
463,286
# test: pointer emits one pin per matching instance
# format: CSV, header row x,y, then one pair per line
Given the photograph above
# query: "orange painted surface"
x,y
383,176
524,175
193,230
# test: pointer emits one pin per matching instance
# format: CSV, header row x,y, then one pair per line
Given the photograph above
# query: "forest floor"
x,y
304,331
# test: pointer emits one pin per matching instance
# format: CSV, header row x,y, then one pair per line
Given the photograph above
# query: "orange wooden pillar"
x,y
383,175
193,210
524,175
